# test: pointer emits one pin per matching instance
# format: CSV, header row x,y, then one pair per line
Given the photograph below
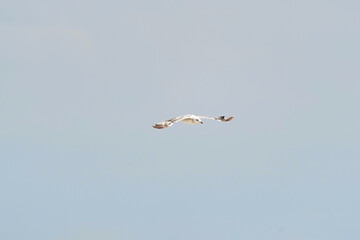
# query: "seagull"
x,y
189,119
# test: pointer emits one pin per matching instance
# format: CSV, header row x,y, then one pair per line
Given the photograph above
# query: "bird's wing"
x,y
221,118
206,117
168,123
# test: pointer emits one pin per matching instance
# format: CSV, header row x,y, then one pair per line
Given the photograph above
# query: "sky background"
x,y
82,82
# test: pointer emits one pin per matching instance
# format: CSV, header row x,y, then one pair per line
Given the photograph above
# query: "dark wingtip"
x,y
158,127
228,119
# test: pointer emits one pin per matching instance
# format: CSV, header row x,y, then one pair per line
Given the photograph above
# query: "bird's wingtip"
x,y
223,119
229,119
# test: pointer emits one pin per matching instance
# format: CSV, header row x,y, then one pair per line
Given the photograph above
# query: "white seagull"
x,y
189,119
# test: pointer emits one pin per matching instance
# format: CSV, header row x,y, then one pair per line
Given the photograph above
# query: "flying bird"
x,y
189,119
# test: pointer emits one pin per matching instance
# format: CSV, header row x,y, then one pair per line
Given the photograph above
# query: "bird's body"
x,y
189,119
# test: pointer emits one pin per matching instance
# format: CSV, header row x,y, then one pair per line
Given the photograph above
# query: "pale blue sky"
x,y
82,82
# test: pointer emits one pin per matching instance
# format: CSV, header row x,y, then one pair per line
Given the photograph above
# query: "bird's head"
x,y
198,120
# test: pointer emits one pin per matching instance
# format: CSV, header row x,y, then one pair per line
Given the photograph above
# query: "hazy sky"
x,y
82,82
